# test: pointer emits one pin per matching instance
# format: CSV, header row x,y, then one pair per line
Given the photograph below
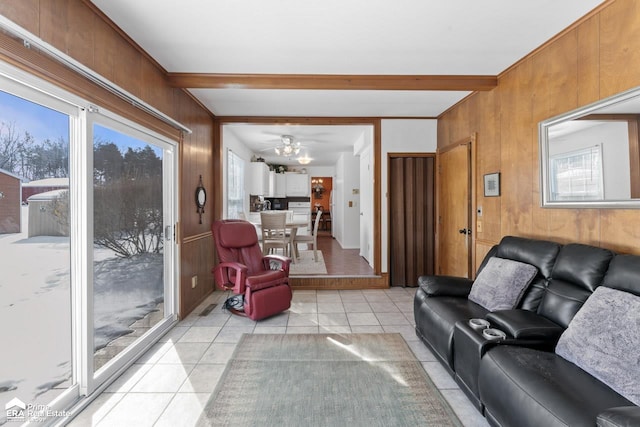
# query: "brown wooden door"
x,y
411,218
454,211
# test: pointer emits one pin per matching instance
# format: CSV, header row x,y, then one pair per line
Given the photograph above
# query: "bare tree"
x,y
47,160
12,148
128,217
128,200
60,209
22,155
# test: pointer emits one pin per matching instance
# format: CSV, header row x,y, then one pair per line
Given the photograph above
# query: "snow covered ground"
x,y
35,309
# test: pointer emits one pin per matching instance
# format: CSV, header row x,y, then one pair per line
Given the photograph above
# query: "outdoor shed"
x,y
9,202
43,218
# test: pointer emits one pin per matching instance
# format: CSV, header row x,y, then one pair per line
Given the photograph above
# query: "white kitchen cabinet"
x,y
271,190
277,185
258,179
280,188
298,185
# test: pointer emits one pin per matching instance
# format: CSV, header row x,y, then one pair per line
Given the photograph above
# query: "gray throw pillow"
x,y
501,283
603,339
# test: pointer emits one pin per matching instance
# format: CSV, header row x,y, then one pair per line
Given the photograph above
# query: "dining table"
x,y
292,226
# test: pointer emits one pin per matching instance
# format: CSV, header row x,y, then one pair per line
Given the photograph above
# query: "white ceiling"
x,y
326,103
323,144
358,37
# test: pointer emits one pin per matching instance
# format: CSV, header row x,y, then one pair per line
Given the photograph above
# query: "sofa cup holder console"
x,y
479,324
493,334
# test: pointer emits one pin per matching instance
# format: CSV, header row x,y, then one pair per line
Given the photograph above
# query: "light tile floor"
x,y
171,384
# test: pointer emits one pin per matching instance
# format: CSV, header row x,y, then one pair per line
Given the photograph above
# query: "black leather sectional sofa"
x,y
520,380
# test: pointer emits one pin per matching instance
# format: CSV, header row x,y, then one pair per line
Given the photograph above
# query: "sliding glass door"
x,y
87,250
132,235
36,360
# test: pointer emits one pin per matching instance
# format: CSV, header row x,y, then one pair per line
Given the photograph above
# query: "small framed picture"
x,y
492,184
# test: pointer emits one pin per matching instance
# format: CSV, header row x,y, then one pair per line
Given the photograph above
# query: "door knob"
x,y
464,231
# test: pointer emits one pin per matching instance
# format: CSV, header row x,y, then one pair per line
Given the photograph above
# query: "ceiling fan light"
x,y
288,147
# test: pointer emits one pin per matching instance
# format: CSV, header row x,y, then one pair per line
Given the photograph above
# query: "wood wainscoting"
x,y
197,255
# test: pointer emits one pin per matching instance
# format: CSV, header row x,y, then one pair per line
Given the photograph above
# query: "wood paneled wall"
x,y
197,158
595,58
80,30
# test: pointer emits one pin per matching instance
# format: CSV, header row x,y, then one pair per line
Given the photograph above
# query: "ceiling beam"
x,y
331,82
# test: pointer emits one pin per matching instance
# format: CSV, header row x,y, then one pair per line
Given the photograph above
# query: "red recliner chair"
x,y
263,280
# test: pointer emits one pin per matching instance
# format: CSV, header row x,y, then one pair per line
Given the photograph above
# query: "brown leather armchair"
x,y
261,280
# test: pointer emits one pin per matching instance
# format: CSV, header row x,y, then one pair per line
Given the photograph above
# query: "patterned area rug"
x,y
326,380
306,264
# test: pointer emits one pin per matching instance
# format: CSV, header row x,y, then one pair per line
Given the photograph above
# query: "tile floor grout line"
x,y
230,330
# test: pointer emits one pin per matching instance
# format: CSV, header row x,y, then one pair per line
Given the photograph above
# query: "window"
x,y
235,186
577,175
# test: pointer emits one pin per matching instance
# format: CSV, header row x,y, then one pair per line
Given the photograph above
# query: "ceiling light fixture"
x,y
304,160
288,147
318,188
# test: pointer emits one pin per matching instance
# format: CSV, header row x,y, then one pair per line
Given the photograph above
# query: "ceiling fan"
x,y
288,146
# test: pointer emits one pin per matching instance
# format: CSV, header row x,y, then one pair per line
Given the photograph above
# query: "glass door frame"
x,y
84,381
33,89
97,380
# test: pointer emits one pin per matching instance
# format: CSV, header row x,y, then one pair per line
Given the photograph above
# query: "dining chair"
x,y
289,215
274,232
326,221
309,240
